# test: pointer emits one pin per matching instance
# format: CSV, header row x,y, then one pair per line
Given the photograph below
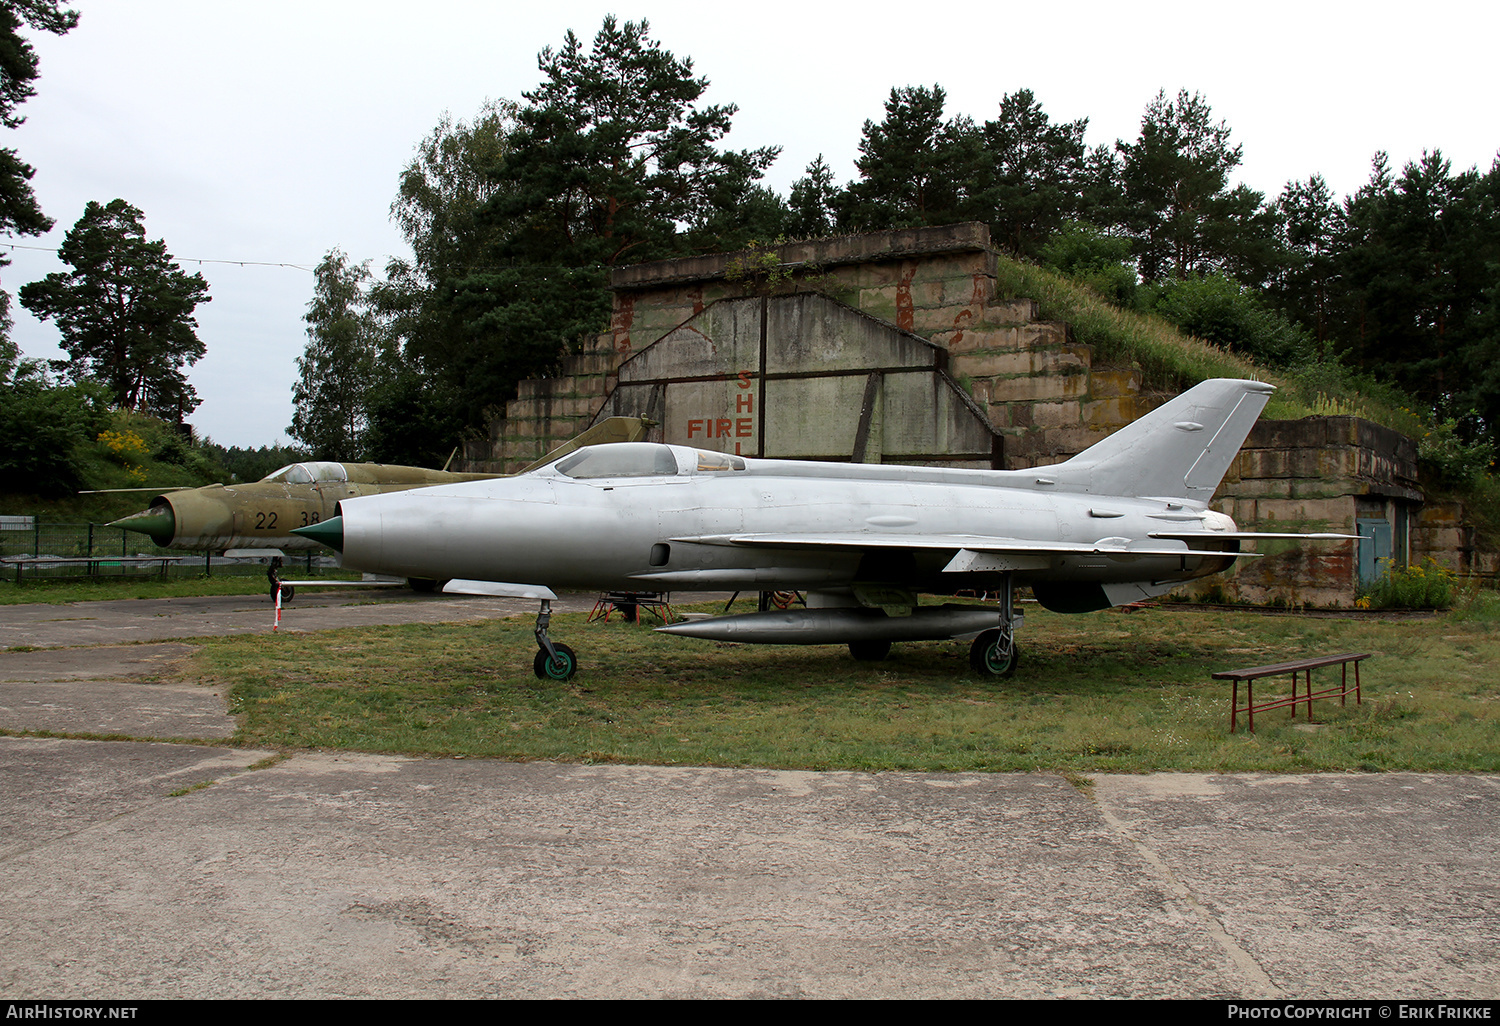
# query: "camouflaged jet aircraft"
x,y
1125,520
262,514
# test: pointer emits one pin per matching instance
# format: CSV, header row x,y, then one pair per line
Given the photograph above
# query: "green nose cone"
x,y
157,523
329,532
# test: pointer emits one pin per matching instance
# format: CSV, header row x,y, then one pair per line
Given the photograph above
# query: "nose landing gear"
x,y
554,660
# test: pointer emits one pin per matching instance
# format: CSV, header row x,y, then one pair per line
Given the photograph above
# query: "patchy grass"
x,y
1102,692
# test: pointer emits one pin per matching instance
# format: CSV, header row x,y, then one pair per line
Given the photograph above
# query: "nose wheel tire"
x,y
994,654
560,668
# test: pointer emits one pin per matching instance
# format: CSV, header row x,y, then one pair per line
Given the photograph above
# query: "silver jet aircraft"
x,y
1126,519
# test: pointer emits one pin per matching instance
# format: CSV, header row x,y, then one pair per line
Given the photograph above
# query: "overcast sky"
x,y
272,132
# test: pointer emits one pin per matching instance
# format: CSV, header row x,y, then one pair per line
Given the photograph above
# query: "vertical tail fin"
x,y
1180,450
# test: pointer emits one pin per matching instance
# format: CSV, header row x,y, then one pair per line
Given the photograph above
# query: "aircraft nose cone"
x,y
330,532
158,523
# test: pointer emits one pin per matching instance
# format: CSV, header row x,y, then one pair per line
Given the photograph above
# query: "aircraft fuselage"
x,y
770,525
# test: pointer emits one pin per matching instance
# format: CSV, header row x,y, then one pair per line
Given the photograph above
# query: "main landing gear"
x,y
554,661
995,652
273,574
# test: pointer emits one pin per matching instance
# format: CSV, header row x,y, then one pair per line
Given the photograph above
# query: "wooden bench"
x,y
1298,667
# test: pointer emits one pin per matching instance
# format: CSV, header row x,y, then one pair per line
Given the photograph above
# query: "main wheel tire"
x,y
869,651
561,668
287,593
985,656
425,585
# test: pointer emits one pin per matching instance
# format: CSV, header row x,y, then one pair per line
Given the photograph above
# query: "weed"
x,y
200,785
1426,585
1082,784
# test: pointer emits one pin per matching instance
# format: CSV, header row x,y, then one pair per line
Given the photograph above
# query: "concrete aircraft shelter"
x,y
836,349
896,347
803,376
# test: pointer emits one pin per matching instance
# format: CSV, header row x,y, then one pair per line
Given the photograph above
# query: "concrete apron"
x,y
147,869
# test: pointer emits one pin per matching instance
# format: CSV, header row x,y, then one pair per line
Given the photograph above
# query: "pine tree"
x,y
341,364
913,165
1418,259
19,212
125,311
1306,287
1036,175
614,160
814,202
1179,206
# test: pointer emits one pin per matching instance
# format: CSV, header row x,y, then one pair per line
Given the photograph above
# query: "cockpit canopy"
x,y
623,459
643,459
310,473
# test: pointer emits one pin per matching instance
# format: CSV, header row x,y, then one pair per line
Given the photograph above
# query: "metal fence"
x,y
32,551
